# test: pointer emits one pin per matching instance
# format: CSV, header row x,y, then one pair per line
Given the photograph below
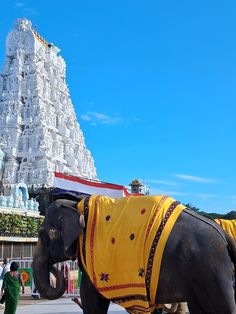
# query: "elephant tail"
x,y
232,253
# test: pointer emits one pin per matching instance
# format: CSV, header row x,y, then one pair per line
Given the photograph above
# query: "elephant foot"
x,y
77,301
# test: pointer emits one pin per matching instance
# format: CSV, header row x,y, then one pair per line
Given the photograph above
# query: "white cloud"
x,y
195,179
205,196
19,4
85,117
167,192
30,12
96,118
26,11
161,182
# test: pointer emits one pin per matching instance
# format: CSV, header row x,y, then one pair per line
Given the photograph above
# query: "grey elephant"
x,y
197,264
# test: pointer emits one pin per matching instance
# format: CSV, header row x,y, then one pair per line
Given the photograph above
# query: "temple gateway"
x,y
39,136
39,132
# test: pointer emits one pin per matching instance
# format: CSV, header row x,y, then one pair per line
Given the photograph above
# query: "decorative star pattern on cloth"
x,y
122,246
141,272
104,277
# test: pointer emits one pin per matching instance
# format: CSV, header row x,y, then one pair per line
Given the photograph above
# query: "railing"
x,y
71,271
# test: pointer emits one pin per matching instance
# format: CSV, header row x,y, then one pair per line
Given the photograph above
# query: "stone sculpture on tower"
x,y
39,132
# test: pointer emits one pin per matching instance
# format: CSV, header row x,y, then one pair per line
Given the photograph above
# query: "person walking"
x,y
65,268
1,276
11,288
5,266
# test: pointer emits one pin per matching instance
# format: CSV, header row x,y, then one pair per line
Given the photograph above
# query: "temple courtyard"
x,y
27,305
60,306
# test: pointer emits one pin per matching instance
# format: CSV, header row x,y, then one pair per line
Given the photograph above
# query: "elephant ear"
x,y
71,225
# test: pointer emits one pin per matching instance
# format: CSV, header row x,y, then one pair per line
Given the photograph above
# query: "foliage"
x,y
229,215
19,225
190,206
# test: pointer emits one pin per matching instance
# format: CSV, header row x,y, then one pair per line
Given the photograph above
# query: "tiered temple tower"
x,y
39,133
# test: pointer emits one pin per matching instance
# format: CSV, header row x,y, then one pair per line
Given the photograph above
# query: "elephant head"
x,y
57,242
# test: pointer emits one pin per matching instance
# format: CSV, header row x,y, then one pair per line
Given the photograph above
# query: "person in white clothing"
x,y
5,268
1,277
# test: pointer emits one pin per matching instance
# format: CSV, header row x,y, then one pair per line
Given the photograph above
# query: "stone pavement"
x,y
60,306
27,305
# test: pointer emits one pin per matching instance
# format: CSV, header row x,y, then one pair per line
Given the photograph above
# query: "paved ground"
x,y
60,306
28,305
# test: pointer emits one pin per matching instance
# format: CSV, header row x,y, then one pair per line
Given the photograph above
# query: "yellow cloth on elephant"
x,y
228,225
123,243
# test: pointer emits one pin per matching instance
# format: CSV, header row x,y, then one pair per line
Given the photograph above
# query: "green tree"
x,y
229,215
190,206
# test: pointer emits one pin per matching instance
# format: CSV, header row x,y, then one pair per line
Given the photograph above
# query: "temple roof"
x,y
135,182
41,39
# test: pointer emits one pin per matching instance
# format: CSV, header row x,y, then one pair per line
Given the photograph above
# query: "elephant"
x,y
197,265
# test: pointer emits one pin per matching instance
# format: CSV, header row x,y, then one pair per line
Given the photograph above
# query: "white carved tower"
x,y
39,133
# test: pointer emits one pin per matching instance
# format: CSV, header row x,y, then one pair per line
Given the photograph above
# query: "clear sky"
x,y
153,84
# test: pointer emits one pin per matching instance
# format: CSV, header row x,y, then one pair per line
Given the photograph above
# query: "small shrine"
x,y
136,186
17,197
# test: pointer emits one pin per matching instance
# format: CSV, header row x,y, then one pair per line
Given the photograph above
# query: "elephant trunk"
x,y
41,273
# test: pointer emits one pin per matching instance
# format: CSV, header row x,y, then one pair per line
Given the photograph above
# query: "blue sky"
x,y
153,84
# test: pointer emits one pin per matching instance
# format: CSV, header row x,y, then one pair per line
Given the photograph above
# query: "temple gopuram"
x,y
39,132
39,136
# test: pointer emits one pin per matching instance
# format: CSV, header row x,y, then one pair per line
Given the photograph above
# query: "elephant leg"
x,y
92,301
193,309
219,299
